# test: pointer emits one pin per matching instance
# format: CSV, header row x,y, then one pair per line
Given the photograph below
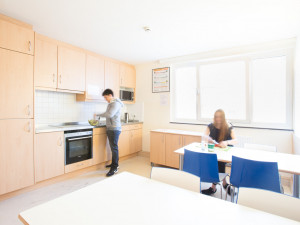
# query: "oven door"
x,y
78,148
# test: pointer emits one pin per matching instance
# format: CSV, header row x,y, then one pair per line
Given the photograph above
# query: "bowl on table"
x,y
94,122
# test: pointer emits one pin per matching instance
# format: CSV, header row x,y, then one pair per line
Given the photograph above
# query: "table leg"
x,y
181,162
296,186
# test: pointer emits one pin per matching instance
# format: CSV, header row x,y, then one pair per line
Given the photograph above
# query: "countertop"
x,y
182,132
46,128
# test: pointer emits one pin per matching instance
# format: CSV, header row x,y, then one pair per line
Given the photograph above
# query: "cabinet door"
x,y
136,141
124,143
16,38
71,69
157,148
99,149
94,77
16,85
49,155
16,154
127,76
190,139
112,77
173,142
45,63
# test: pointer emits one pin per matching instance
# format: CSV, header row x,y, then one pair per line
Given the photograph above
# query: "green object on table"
x,y
211,146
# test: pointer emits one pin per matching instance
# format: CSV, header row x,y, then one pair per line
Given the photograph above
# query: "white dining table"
x,y
130,199
288,163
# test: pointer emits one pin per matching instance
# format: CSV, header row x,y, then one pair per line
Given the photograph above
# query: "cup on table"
x,y
211,147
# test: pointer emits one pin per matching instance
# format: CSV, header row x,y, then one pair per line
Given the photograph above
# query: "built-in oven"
x,y
78,145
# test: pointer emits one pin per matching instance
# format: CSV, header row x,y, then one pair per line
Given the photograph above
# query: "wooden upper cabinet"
x,y
127,76
112,77
16,86
71,69
45,62
16,38
94,79
16,154
49,155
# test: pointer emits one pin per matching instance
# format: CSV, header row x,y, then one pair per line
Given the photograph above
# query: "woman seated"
x,y
222,132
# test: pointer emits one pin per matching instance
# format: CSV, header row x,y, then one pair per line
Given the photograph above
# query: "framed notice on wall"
x,y
161,80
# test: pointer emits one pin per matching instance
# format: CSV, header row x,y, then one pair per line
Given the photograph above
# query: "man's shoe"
x,y
209,191
112,171
109,166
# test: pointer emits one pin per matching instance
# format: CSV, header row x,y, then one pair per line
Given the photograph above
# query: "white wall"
x,y
158,116
297,100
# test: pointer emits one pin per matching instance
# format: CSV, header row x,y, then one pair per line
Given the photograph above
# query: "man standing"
x,y
113,128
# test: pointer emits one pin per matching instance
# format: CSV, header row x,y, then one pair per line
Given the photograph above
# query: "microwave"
x,y
126,95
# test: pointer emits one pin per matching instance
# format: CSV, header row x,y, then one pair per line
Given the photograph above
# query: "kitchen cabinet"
x,y
112,77
124,143
71,69
163,143
135,141
45,62
99,146
49,155
173,142
186,139
94,79
127,76
16,85
158,148
16,154
16,38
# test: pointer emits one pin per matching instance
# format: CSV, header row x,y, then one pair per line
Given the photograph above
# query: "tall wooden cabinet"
x,y
112,76
49,155
16,85
16,154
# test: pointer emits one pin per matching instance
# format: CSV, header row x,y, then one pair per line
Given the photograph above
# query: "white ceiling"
x,y
179,27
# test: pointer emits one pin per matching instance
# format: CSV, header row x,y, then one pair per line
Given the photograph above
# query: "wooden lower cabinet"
x,y
163,145
124,143
16,154
49,155
187,139
173,142
99,148
158,148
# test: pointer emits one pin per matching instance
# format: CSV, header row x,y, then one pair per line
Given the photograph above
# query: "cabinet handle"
x,y
53,77
60,142
60,78
29,45
29,127
28,110
81,164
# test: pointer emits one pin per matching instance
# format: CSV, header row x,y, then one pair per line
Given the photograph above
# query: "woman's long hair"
x,y
224,125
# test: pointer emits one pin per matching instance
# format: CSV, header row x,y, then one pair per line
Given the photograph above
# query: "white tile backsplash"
x,y
59,107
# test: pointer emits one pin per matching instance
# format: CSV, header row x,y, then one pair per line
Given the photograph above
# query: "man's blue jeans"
x,y
113,138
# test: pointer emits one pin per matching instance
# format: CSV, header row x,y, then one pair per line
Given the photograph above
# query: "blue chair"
x,y
254,174
203,165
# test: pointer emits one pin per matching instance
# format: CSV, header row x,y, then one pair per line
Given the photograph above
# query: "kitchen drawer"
x,y
132,127
79,165
99,130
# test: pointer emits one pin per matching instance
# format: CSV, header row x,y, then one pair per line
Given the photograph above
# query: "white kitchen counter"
x,y
56,128
182,132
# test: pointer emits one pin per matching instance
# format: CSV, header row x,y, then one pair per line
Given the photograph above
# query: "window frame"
x,y
248,59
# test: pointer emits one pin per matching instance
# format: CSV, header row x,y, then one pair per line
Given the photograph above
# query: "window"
x,y
254,90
